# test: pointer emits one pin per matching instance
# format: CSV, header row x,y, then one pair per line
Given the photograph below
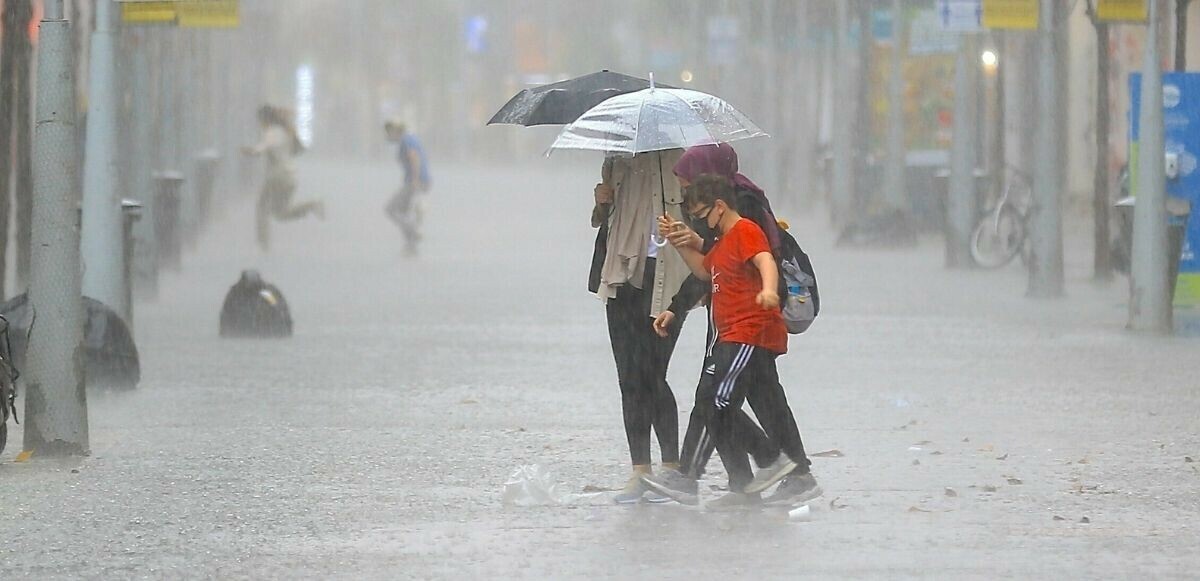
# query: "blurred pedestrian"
x,y
635,281
278,145
407,207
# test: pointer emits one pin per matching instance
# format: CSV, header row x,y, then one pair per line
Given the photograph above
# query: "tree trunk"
x,y
1101,200
24,141
9,23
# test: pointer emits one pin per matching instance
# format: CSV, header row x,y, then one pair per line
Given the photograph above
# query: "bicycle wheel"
x,y
997,240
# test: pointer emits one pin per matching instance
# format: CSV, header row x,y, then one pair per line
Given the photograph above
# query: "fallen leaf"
x,y
1188,459
594,488
1083,460
901,428
834,453
966,439
916,462
1004,457
833,504
918,509
1085,520
74,471
24,456
936,453
923,443
1056,517
951,493
912,423
1015,481
989,488
468,401
987,448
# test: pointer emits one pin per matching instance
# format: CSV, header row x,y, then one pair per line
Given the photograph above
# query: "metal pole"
x,y
843,122
1102,199
1181,10
894,188
55,399
1046,257
102,222
1149,301
960,200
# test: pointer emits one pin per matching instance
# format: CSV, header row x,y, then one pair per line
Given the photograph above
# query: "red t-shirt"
x,y
735,286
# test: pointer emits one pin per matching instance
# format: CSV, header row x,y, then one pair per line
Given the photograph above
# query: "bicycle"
x,y
1001,233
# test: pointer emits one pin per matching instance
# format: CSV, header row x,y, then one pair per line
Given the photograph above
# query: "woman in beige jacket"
x,y
636,281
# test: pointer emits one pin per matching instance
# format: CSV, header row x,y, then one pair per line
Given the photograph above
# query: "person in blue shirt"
x,y
407,207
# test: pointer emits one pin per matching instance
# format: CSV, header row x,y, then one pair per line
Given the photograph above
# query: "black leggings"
x,y
642,357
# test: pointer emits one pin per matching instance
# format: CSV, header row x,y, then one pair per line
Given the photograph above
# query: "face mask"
x,y
700,225
702,229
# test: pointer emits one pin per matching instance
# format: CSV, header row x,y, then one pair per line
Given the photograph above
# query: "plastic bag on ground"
x,y
534,485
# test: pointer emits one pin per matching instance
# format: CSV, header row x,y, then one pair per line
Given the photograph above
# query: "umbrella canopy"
x,y
563,102
110,356
656,119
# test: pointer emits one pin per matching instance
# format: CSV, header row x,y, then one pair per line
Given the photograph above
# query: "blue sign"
x,y
960,15
475,34
1181,136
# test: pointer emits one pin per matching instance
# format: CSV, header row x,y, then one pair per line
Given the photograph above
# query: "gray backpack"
x,y
799,306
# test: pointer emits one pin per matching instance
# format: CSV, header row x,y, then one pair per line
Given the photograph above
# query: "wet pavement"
x,y
982,434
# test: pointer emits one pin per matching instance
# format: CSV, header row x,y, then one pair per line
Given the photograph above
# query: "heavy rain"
x,y
617,289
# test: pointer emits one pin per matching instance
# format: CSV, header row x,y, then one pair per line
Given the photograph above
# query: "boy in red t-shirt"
x,y
750,335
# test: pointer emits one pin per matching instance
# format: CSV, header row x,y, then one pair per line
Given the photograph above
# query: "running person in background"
x,y
278,144
407,207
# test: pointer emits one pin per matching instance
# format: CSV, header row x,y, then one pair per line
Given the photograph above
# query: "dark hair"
x,y
707,189
269,115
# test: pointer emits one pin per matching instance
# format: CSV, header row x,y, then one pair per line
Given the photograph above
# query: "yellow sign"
x,y
1122,10
147,12
1010,14
208,13
185,13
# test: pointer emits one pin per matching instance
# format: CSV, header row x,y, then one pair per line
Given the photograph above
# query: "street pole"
x,y
1046,258
843,122
894,188
55,399
1181,36
102,223
1149,301
1101,197
960,200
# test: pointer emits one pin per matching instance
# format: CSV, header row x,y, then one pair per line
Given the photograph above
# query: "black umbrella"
x,y
110,357
563,102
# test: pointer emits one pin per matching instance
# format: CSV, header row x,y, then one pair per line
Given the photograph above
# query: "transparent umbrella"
x,y
656,119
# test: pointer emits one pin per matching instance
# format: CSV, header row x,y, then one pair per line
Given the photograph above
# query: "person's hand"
x,y
684,237
767,299
603,193
667,225
663,322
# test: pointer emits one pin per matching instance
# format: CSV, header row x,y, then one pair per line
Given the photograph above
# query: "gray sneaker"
x,y
771,474
674,484
632,493
795,489
733,501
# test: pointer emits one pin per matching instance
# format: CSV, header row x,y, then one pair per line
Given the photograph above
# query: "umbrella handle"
x,y
658,241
